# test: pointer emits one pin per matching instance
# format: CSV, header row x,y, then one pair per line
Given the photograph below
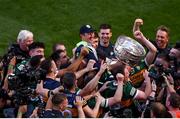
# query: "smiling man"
x,y
105,45
162,40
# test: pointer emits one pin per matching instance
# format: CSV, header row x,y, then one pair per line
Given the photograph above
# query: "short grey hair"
x,y
23,35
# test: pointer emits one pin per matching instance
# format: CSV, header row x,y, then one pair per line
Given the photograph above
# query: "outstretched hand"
x,y
90,65
103,67
79,101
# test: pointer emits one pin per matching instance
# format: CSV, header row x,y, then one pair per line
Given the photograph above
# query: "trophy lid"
x,y
128,50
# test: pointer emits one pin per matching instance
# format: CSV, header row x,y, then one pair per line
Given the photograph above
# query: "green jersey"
x,y
128,92
136,74
20,66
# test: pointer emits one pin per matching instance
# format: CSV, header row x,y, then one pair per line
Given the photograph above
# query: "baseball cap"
x,y
86,29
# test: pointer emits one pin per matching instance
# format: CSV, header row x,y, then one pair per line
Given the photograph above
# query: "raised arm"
x,y
152,49
137,24
88,68
119,91
79,104
94,82
170,83
74,66
142,95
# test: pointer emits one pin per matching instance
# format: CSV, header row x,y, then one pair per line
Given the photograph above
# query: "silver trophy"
x,y
128,50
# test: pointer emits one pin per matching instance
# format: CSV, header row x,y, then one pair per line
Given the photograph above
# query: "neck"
x,y
50,75
104,45
55,108
22,48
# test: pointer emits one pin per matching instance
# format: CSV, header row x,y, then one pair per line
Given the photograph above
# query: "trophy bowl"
x,y
128,50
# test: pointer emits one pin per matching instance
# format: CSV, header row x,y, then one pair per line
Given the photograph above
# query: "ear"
x,y
81,35
110,34
61,107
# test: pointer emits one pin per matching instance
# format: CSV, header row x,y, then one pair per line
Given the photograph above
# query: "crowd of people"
x,y
93,83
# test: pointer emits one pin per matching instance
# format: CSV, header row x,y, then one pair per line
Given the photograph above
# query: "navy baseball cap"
x,y
86,29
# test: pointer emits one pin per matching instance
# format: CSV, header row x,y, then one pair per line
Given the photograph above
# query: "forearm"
x,y
117,96
148,44
80,73
148,88
119,92
91,85
160,95
42,91
152,50
80,112
135,27
170,87
73,67
95,110
49,103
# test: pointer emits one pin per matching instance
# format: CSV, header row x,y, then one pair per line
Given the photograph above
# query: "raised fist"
x,y
138,22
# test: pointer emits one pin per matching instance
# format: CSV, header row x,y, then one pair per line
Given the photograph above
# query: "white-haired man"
x,y
18,51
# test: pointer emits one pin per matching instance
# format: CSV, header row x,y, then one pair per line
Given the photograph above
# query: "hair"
x,y
69,80
58,98
46,65
164,56
105,26
165,29
118,68
23,35
101,54
96,35
158,110
35,45
55,45
174,100
56,55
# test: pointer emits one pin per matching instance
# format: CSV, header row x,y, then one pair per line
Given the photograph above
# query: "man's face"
x,y
54,68
36,51
61,47
87,36
164,63
63,58
105,36
95,42
162,39
175,53
64,105
25,43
